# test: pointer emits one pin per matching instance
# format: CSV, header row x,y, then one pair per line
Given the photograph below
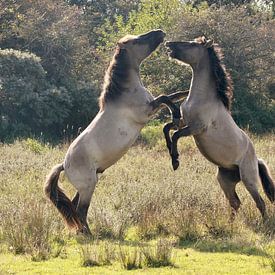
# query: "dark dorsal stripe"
x,y
222,77
115,77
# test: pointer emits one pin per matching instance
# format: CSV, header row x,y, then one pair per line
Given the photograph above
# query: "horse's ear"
x,y
209,43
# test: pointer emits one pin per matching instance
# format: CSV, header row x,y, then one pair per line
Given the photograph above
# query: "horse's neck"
x,y
134,78
125,72
202,85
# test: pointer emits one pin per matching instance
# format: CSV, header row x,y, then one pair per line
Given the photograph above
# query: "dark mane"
x,y
115,76
222,77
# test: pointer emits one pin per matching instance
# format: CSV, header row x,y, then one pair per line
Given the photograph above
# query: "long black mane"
x,y
223,79
115,76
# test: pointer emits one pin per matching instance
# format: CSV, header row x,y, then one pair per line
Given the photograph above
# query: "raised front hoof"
x,y
175,164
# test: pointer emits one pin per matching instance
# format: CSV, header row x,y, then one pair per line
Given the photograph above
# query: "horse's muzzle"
x,y
171,48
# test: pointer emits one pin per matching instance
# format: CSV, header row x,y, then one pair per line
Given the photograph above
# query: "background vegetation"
x,y
54,53
142,215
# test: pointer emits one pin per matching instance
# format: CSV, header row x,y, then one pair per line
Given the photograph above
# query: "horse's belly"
x,y
224,155
111,147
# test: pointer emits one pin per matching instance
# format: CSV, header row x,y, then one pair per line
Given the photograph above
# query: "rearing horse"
x,y
125,107
206,116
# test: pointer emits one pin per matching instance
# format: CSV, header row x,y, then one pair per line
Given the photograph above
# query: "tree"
x,y
247,44
56,32
219,3
29,103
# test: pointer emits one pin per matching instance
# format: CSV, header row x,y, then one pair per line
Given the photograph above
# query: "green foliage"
x,y
60,83
70,44
248,55
34,145
29,103
151,135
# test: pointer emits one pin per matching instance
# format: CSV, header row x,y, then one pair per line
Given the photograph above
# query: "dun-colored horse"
x,y
125,107
206,116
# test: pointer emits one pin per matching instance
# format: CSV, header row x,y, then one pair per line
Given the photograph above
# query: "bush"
x,y
97,254
29,103
34,145
27,231
60,88
160,255
130,258
151,135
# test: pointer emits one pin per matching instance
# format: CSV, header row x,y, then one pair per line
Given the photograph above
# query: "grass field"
x,y
140,205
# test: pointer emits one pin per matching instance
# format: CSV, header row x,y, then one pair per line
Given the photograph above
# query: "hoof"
x,y
84,231
175,164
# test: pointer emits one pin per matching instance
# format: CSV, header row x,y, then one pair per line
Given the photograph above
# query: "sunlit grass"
x,y
138,199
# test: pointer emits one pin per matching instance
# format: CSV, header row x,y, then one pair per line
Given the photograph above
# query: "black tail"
x,y
267,181
59,199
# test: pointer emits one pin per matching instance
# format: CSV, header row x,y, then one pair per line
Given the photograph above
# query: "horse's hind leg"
x,y
228,180
84,181
250,176
85,196
75,199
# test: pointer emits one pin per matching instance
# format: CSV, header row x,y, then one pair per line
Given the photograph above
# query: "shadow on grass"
x,y
202,245
216,246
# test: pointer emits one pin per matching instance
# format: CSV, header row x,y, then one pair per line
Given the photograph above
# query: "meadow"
x,y
145,218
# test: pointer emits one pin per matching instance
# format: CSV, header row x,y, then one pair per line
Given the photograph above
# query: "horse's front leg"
x,y
184,132
168,100
166,131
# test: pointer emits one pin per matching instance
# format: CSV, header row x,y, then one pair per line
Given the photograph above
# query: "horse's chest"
x,y
194,113
188,111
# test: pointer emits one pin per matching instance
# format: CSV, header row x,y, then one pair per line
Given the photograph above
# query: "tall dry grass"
x,y
141,191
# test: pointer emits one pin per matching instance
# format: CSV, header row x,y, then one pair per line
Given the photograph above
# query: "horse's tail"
x,y
59,199
267,181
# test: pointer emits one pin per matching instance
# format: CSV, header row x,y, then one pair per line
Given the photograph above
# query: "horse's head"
x,y
190,52
141,46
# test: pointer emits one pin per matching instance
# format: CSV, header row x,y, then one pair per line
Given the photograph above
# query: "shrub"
x,y
59,97
151,134
34,145
130,258
29,103
97,254
27,228
160,255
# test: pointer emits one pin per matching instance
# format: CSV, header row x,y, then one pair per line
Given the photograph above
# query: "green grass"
x,y
187,261
138,200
